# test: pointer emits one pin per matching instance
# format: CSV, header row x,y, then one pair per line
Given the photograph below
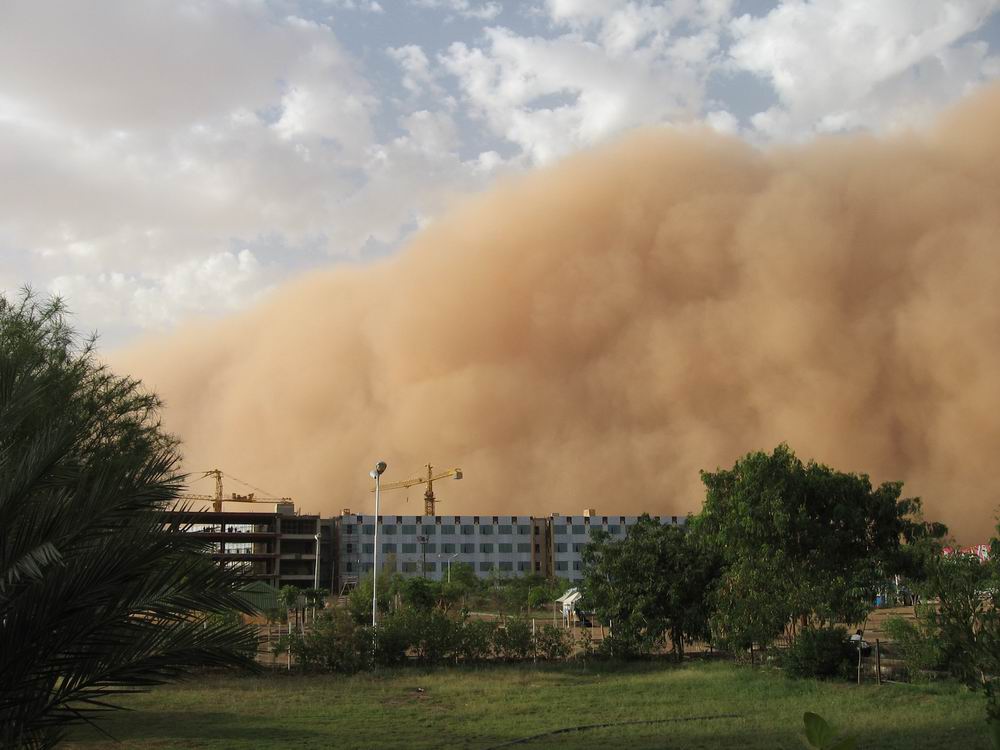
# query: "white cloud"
x,y
843,64
485,10
218,283
143,140
617,67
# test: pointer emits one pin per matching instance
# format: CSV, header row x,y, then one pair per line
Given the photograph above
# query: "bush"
x,y
476,641
431,634
821,652
335,644
513,641
916,645
552,642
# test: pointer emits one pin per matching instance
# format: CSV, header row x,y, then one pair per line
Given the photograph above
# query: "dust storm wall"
x,y
593,334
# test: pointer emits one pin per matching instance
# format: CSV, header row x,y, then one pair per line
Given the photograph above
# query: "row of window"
x,y
564,547
521,566
446,548
465,529
564,565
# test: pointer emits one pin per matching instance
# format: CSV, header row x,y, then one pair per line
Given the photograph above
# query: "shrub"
x,y
336,643
513,641
476,641
552,642
821,652
433,636
916,645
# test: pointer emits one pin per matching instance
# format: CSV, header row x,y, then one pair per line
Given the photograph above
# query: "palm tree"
x,y
98,594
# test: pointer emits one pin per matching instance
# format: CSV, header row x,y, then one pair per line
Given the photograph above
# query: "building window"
x,y
429,529
468,549
523,565
468,529
561,547
349,567
538,550
561,565
579,529
409,567
484,566
577,565
538,566
389,548
614,529
524,547
506,565
486,530
486,548
410,529
505,529
430,567
578,546
430,549
367,548
447,528
409,549
389,530
350,548
368,529
523,529
558,530
447,547
505,547
537,530
349,528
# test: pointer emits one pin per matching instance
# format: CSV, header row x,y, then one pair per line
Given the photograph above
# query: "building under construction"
x,y
279,546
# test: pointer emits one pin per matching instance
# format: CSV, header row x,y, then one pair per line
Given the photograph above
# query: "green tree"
x,y
653,584
802,542
98,594
289,597
962,621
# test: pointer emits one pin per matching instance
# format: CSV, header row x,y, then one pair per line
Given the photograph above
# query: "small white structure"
x,y
568,602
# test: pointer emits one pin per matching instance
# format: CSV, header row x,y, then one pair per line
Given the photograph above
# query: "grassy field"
x,y
708,706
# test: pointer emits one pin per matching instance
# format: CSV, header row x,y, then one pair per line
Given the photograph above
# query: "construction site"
x,y
272,542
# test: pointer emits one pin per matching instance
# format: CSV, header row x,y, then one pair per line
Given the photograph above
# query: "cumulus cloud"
x,y
138,137
844,64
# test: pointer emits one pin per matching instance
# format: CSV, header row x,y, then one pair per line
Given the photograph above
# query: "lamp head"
x,y
458,473
380,467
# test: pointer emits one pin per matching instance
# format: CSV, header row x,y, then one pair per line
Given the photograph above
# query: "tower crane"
x,y
429,481
218,499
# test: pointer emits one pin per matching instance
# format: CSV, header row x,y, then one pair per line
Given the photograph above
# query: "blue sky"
x,y
170,159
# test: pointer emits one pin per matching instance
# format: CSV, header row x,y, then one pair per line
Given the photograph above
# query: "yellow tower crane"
x,y
218,499
429,481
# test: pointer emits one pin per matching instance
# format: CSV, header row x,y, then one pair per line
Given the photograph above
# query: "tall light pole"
x,y
376,474
316,569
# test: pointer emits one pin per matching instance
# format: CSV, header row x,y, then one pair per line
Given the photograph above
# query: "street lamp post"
x,y
376,474
449,565
316,569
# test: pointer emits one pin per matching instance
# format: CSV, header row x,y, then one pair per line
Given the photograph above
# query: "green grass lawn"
x,y
482,708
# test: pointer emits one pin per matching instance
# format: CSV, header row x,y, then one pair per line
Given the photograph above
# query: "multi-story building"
x,y
492,545
279,547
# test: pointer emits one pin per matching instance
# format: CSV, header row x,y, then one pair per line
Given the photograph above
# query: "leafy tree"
x,y
964,625
803,542
98,594
288,597
651,585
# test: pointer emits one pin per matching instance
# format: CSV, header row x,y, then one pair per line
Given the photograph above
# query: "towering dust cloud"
x,y
593,334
